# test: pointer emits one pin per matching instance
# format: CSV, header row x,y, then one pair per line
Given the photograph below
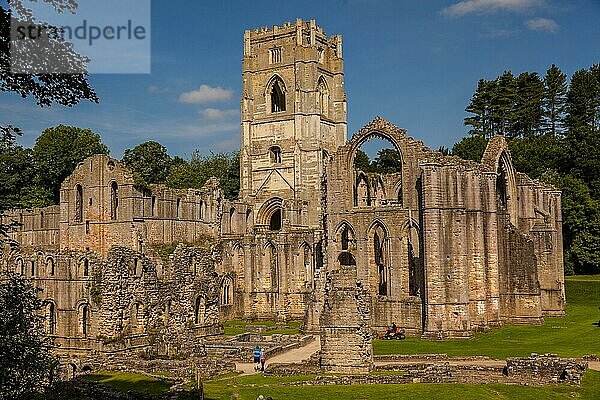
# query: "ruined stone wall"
x,y
345,333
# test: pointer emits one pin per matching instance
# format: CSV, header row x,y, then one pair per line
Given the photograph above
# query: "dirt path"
x,y
292,356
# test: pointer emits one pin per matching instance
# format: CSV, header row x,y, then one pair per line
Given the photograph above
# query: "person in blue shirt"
x,y
256,355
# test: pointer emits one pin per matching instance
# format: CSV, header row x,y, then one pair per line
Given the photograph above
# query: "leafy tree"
x,y
362,161
583,123
534,155
26,363
387,161
555,99
58,150
149,162
195,173
46,89
581,223
528,112
470,148
16,170
583,100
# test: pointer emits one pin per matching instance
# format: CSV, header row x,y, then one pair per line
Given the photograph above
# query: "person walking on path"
x,y
256,353
263,360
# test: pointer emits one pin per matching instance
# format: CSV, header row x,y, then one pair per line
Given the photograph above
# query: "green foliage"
x,y
470,148
26,364
149,162
96,295
535,155
571,336
362,162
386,161
528,109
195,173
58,150
555,99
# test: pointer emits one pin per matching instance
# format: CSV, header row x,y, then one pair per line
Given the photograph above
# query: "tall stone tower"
x,y
293,116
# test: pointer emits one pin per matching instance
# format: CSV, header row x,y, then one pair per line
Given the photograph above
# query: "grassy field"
x,y
249,387
127,381
571,336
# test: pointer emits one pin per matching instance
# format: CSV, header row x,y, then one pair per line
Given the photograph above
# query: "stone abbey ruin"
x,y
445,247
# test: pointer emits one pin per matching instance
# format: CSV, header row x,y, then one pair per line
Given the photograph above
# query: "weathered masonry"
x,y
443,246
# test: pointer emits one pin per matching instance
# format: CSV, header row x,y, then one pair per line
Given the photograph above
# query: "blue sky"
x,y
415,63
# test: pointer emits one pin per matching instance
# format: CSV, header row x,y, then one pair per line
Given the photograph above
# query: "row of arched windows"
x,y
50,265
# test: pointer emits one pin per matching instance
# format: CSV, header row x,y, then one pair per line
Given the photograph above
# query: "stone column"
x,y
346,346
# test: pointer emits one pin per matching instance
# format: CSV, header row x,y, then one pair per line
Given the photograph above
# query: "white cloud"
x,y
216,114
206,94
542,24
157,89
488,6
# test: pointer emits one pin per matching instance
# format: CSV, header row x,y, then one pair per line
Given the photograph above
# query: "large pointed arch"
x,y
276,94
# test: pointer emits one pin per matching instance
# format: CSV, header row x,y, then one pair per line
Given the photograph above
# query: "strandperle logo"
x,y
85,31
108,36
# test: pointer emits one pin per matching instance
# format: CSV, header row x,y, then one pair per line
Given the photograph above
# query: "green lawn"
x,y
570,336
249,387
127,381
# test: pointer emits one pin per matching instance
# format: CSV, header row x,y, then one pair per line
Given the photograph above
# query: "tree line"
x,y
31,177
552,126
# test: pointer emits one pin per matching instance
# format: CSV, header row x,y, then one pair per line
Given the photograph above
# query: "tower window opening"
x,y
275,221
277,98
275,153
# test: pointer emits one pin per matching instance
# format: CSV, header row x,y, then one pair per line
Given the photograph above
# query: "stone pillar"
x,y
346,346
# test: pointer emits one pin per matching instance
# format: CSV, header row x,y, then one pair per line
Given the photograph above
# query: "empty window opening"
x,y
347,259
226,292
347,238
277,97
275,220
177,207
86,267
275,153
84,320
78,203
153,208
378,253
114,200
231,220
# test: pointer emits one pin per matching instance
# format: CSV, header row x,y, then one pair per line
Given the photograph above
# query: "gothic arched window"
x,y
277,97
114,200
